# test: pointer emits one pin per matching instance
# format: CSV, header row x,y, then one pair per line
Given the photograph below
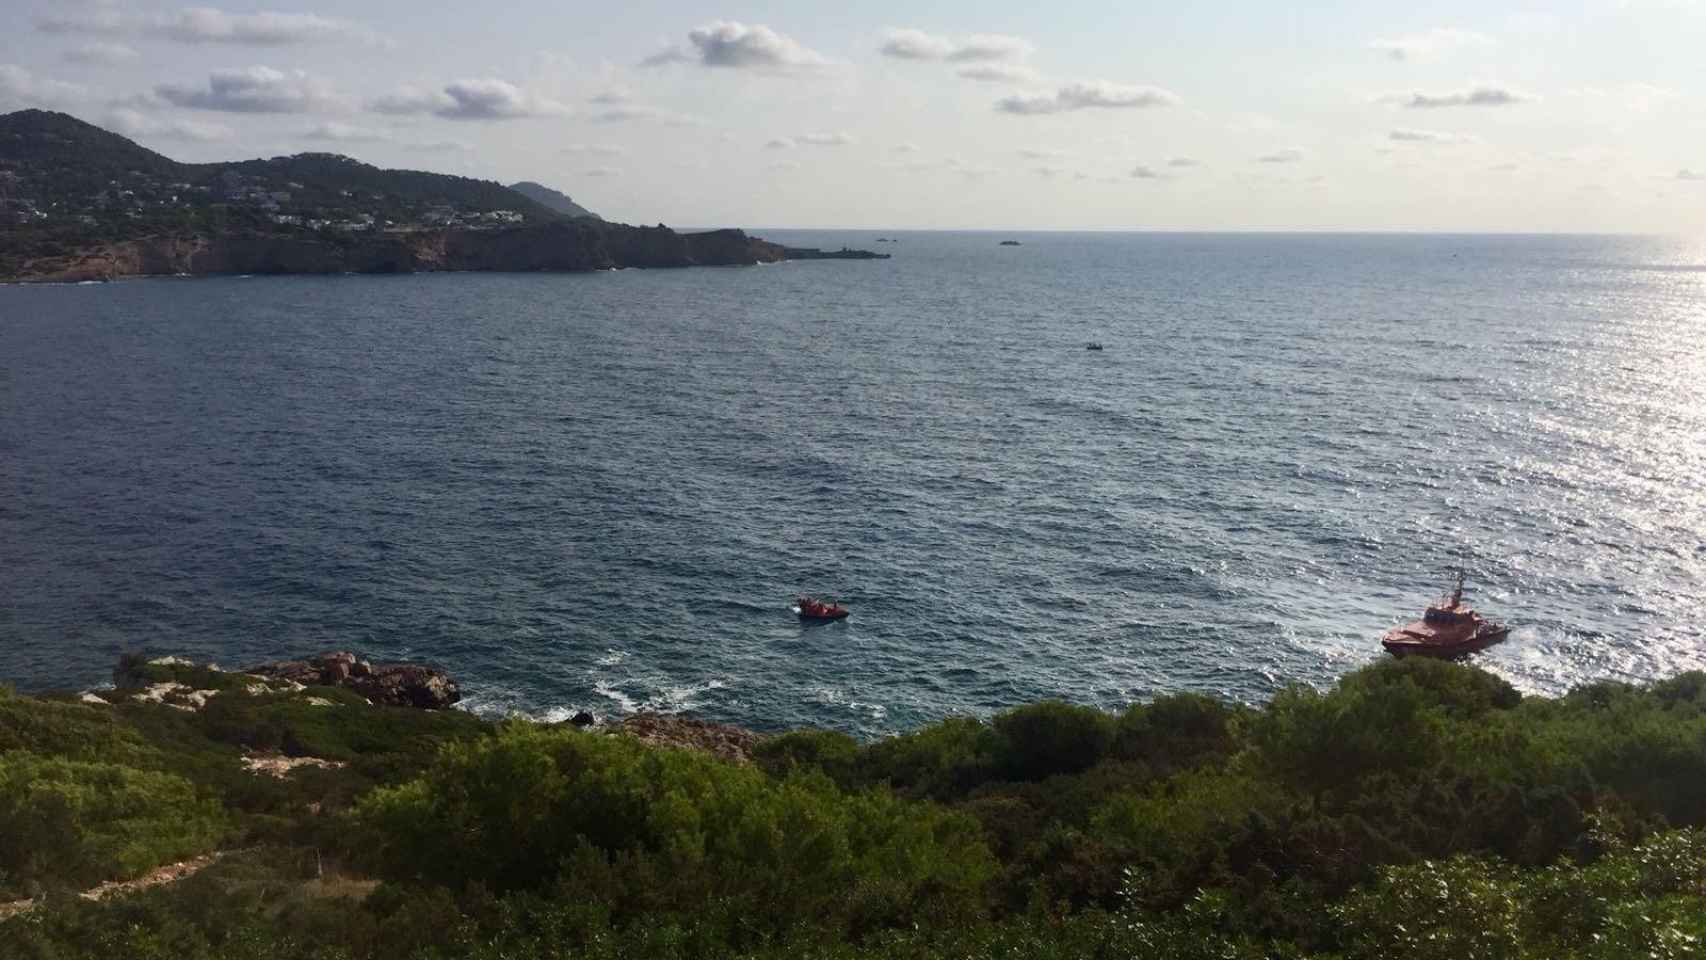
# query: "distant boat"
x,y
1010,243
1447,630
1093,345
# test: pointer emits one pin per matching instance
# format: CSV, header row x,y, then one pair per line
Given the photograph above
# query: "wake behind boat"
x,y
1447,630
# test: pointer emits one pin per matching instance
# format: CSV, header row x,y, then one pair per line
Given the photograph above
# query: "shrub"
x,y
702,831
79,822
1047,739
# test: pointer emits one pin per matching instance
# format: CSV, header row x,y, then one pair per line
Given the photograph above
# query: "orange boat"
x,y
810,609
1448,629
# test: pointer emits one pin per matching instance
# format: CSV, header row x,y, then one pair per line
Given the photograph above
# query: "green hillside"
x,y
66,184
1418,810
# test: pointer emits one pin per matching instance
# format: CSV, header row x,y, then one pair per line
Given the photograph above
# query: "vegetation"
x,y
68,186
1417,810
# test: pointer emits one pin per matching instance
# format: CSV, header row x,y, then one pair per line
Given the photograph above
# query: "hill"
x,y
554,199
78,203
66,184
1417,811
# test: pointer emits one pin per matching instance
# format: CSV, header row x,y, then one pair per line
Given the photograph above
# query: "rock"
x,y
726,741
583,719
387,684
93,699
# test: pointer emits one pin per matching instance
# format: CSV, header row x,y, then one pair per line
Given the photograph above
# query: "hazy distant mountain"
x,y
554,199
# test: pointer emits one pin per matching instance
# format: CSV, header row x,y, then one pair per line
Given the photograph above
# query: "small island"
x,y
1010,243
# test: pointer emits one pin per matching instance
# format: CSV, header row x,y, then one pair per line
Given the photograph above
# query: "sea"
x,y
603,491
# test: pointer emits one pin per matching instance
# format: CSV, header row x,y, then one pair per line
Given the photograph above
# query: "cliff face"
x,y
561,246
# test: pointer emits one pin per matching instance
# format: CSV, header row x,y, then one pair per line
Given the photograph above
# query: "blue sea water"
x,y
601,491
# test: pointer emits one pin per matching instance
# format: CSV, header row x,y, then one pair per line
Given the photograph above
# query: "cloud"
x,y
22,88
992,47
255,90
484,98
343,133
439,146
265,29
1694,176
1035,153
1182,162
1405,135
980,48
99,19
906,148
1281,156
601,172
1141,172
728,43
593,150
1429,44
100,52
1475,97
1097,94
1049,173
132,123
203,25
999,73
811,140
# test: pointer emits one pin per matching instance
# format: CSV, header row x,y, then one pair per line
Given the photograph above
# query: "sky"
x,y
1452,116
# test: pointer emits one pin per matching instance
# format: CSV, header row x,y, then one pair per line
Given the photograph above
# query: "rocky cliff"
x,y
557,246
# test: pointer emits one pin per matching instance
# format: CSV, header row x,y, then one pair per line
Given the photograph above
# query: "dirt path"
x,y
159,876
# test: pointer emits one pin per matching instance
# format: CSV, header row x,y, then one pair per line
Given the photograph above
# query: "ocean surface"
x,y
602,491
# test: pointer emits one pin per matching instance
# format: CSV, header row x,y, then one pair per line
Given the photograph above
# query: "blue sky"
x,y
997,114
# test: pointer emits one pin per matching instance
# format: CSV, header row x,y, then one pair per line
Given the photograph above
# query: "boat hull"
x,y
823,617
1403,643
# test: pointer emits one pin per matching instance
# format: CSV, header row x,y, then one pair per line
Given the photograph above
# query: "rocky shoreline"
x,y
569,246
187,685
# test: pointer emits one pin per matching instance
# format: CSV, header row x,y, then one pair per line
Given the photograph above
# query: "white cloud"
x,y
1406,135
1281,156
20,87
992,47
728,43
999,73
266,29
133,123
1049,173
1141,172
811,140
601,172
980,48
1430,44
1182,162
825,139
1690,175
255,90
906,148
593,150
100,52
202,25
1097,94
1042,153
1474,97
483,98
344,133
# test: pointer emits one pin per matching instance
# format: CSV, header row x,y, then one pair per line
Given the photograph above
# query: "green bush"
x,y
700,831
1051,738
78,822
